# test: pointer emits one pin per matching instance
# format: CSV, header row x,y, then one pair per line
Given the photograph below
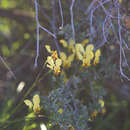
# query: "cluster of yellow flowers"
x,y
35,103
101,102
82,52
95,112
53,61
67,60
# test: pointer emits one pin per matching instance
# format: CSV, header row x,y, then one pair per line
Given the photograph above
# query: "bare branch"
x,y
9,69
120,42
54,24
61,13
37,21
90,6
43,28
72,20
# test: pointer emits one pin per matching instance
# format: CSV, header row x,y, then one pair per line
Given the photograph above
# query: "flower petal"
x,y
58,62
28,103
64,43
89,47
36,99
63,56
48,48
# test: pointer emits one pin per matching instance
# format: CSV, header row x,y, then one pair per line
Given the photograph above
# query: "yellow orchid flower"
x,y
35,104
66,60
97,55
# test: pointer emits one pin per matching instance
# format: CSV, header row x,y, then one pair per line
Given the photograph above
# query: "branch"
x,y
61,13
120,42
37,21
72,20
54,24
9,69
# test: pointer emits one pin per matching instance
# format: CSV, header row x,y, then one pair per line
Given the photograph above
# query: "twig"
x,y
43,28
9,69
61,13
54,24
72,20
90,6
126,45
103,29
106,12
126,63
91,15
37,21
120,42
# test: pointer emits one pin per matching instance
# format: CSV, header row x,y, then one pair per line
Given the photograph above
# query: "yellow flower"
x,y
88,56
94,114
35,104
103,111
54,54
86,62
89,48
97,55
54,65
48,48
28,103
71,46
50,62
64,43
83,54
101,102
58,63
66,60
79,51
60,111
84,42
